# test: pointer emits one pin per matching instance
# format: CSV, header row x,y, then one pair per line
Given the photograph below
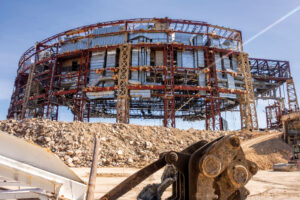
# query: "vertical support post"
x,y
123,99
83,103
16,92
27,90
50,87
169,97
292,95
29,83
80,99
247,101
76,109
273,115
213,118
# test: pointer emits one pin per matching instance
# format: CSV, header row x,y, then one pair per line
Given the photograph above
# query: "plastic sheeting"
x,y
139,57
97,62
135,57
218,61
75,45
202,82
107,40
215,42
111,58
225,80
185,59
159,58
230,78
199,59
149,37
199,40
234,63
184,38
140,93
69,83
110,29
98,95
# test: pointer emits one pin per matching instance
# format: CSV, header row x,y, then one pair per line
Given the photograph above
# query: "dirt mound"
x,y
121,144
267,150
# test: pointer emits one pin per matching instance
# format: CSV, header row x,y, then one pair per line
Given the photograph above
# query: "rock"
x,y
69,161
75,159
69,152
120,152
130,160
148,145
78,151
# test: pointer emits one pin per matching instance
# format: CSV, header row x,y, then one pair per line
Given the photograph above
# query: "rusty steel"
x,y
214,170
41,94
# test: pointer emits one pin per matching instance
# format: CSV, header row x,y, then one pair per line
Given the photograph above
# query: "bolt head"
x,y
171,158
234,141
211,166
253,168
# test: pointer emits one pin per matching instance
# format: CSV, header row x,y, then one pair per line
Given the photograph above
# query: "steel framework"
x,y
247,103
273,115
292,96
270,78
123,97
50,77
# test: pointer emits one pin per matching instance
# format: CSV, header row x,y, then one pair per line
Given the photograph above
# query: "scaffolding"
x,y
273,116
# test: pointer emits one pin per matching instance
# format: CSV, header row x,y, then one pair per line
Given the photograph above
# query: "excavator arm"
x,y
206,171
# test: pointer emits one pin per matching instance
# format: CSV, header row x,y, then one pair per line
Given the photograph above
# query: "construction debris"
x,y
121,145
267,150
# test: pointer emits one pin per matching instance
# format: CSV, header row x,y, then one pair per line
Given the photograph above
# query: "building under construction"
x,y
154,68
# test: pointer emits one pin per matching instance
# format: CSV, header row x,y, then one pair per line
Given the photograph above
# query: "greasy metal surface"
x,y
234,173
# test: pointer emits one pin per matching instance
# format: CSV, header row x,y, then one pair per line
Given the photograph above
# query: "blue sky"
x,y
25,22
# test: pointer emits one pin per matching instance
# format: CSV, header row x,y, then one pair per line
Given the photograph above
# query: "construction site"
x,y
155,69
152,69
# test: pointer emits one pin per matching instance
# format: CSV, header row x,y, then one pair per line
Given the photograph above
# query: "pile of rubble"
x,y
121,144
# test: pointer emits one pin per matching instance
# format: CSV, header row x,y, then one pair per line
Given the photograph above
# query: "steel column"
x,y
123,99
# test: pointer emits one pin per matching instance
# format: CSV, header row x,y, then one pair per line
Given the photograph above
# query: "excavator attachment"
x,y
206,171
